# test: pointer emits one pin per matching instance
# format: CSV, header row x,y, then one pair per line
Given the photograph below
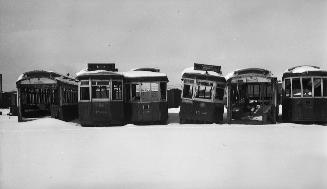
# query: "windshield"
x,y
203,90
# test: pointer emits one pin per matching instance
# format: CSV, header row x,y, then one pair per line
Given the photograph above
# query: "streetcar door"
x,y
307,101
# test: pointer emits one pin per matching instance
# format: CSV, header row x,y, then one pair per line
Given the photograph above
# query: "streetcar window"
x,y
256,90
84,93
287,87
219,93
145,87
163,90
100,89
100,92
269,91
135,92
84,82
155,92
296,87
250,90
204,92
190,81
253,90
200,91
187,91
146,92
317,86
64,96
117,93
307,87
264,91
324,86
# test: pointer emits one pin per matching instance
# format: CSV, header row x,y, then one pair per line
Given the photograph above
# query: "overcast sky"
x,y
64,36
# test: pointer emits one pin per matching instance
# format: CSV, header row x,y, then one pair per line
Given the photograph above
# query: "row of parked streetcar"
x,y
100,95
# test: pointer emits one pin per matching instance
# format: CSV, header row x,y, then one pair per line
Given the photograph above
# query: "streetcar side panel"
x,y
146,101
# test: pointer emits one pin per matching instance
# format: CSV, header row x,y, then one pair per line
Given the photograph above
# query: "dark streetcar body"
x,y
9,100
146,96
252,96
46,93
100,98
174,97
305,95
202,95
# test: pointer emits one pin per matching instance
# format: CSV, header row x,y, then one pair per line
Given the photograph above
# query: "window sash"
x,y
190,91
84,83
100,92
313,92
203,92
84,92
117,90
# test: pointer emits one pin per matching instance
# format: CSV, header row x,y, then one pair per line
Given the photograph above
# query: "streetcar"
x,y
305,94
100,95
46,93
146,96
252,95
202,94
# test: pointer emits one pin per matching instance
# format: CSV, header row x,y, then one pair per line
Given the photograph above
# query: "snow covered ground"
x,y
49,153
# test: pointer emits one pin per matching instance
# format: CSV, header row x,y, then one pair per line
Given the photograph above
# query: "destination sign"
x,y
101,66
206,67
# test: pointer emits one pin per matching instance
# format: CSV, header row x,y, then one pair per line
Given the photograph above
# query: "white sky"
x,y
64,36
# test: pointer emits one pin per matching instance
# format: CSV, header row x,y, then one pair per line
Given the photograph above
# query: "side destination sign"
x,y
206,67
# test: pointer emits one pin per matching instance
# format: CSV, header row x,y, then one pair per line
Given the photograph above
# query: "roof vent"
x,y
148,69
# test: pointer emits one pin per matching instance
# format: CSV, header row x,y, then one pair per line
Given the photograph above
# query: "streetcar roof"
x,y
47,74
140,75
202,75
96,72
100,74
191,70
305,70
249,72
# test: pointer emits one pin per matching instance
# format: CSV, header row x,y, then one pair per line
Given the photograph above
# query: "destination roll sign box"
x,y
102,66
206,67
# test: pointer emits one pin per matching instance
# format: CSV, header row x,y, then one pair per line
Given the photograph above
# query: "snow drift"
x,y
49,153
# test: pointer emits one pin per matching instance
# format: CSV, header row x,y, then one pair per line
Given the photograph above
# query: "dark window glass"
x,y
250,90
187,91
163,90
220,93
84,82
100,92
128,92
307,87
287,87
317,86
269,91
84,93
102,82
135,92
117,90
296,87
256,90
65,96
324,80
